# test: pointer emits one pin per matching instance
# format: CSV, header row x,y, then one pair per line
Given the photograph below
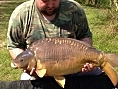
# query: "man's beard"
x,y
49,13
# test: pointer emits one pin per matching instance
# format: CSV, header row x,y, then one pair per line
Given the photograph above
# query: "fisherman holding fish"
x,y
38,19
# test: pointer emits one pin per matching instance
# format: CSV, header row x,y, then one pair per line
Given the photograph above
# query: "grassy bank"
x,y
6,72
105,34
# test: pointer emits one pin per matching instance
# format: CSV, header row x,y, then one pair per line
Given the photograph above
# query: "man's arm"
x,y
15,52
87,67
87,40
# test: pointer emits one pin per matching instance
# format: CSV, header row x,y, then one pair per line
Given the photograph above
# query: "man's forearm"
x,y
15,52
87,40
87,67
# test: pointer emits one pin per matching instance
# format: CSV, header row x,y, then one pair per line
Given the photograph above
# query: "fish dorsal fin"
x,y
41,72
60,80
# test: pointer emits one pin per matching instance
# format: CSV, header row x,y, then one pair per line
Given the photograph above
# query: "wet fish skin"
x,y
60,56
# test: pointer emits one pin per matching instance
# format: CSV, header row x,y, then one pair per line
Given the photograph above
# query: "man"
x,y
37,19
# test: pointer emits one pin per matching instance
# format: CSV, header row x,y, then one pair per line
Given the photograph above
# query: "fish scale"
x,y
56,50
61,56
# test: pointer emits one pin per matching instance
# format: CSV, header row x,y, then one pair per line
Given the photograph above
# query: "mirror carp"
x,y
61,56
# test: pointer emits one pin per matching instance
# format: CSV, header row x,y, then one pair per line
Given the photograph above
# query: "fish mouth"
x,y
14,65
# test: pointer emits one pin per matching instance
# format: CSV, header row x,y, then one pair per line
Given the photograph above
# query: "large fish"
x,y
61,56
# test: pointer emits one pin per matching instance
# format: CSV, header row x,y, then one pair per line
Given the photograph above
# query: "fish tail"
x,y
112,59
109,70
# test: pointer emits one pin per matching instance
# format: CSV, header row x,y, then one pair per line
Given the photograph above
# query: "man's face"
x,y
48,7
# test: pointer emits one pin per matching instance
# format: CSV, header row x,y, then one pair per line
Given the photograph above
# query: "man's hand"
x,y
87,67
32,72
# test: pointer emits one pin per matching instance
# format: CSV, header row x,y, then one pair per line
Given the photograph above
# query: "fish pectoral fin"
x,y
60,80
41,72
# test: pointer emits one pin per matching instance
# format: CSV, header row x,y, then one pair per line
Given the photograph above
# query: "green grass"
x,y
104,35
101,21
6,72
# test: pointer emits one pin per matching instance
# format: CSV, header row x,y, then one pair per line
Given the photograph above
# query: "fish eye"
x,y
21,60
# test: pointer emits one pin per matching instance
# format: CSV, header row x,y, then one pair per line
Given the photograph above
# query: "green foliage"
x,y
97,3
103,24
